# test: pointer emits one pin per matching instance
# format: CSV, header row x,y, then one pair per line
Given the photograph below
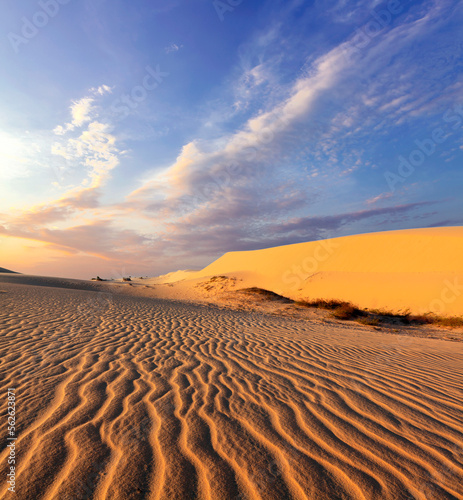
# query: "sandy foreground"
x,y
127,397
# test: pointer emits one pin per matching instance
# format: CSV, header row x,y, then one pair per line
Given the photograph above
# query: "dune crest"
x,y
418,269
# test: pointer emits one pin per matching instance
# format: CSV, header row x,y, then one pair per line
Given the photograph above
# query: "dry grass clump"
x,y
322,303
377,317
369,321
341,310
408,319
268,294
420,319
347,311
451,322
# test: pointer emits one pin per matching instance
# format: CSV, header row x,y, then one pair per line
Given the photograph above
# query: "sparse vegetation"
x,y
266,293
126,279
382,312
322,303
378,317
341,310
369,321
451,322
347,311
419,319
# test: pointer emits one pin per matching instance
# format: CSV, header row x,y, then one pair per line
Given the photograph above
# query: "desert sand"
x,y
419,269
129,397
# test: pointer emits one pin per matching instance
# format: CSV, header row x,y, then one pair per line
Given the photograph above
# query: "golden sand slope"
x,y
134,398
419,269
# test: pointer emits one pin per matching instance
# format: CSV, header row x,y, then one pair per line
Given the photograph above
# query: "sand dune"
x,y
420,270
133,398
50,281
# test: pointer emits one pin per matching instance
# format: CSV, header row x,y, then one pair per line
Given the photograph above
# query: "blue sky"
x,y
143,137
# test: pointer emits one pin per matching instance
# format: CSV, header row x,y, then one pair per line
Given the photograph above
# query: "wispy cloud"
x,y
102,90
100,238
94,149
81,112
173,47
380,197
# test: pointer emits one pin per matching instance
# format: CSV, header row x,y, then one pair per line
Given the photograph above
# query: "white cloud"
x,y
173,47
61,130
102,90
81,111
95,149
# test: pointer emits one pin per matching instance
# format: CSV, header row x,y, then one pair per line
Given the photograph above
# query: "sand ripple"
x,y
126,398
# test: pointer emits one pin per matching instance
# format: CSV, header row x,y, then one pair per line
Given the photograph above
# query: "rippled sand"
x,y
124,397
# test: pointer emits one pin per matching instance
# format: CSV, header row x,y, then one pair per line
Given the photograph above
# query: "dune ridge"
x,y
130,397
416,269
